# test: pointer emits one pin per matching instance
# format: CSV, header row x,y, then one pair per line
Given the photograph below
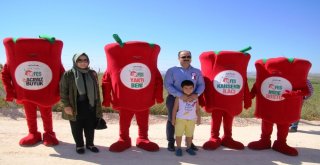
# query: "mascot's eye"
x,y
137,57
275,72
32,54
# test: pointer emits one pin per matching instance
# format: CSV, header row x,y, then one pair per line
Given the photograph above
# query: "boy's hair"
x,y
187,83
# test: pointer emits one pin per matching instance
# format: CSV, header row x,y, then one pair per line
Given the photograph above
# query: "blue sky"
x,y
273,28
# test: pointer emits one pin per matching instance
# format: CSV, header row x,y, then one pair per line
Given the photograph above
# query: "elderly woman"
x,y
79,92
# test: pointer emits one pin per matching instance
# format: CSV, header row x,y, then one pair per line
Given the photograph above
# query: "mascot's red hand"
x,y
289,94
106,103
7,84
159,100
159,88
201,100
247,97
247,103
10,96
106,89
253,91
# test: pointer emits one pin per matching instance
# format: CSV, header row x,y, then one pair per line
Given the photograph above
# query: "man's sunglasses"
x,y
184,57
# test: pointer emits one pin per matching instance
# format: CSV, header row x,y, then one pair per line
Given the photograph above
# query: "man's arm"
x,y
200,85
169,84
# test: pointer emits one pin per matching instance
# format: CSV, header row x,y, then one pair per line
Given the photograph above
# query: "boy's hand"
x,y
198,120
184,98
190,98
173,122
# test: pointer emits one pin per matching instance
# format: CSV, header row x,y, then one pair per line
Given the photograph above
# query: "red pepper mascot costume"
x,y
132,83
31,76
225,75
279,89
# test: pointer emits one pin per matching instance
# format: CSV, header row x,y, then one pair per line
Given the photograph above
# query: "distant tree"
x,y
1,67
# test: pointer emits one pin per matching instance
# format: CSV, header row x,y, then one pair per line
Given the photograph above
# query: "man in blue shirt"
x,y
172,82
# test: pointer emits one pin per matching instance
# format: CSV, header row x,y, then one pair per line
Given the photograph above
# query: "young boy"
x,y
184,117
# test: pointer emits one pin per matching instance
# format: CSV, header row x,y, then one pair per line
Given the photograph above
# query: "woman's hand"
x,y
68,110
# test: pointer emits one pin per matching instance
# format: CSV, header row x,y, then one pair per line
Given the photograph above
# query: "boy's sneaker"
x,y
194,147
191,151
293,129
179,152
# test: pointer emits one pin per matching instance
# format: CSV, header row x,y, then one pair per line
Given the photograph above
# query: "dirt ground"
x,y
13,128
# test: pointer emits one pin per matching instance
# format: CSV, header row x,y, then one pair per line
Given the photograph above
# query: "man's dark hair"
x,y
187,83
183,51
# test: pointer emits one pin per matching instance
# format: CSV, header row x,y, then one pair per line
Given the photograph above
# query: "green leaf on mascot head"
x,y
151,45
245,50
264,60
290,60
48,38
118,39
216,52
14,40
